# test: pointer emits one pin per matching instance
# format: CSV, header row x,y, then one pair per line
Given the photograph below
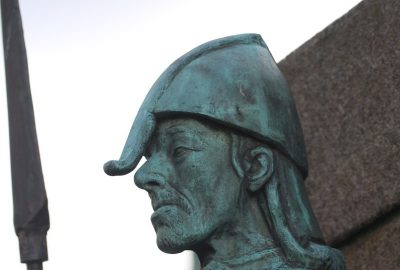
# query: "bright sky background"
x,y
91,63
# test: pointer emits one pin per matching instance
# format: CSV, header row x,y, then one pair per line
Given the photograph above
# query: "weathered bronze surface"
x,y
226,162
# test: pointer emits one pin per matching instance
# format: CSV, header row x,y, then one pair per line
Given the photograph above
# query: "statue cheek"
x,y
191,168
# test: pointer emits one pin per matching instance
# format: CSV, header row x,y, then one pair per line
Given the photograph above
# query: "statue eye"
x,y
180,151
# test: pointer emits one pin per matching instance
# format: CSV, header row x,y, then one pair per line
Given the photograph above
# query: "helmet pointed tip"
x,y
109,167
116,167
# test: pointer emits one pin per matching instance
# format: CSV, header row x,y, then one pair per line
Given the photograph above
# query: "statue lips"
x,y
162,210
163,206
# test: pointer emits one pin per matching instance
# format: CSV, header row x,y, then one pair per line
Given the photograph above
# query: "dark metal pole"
x,y
31,217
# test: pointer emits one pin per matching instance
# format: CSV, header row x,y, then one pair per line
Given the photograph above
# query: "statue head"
x,y
226,160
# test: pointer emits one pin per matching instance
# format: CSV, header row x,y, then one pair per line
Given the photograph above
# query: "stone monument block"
x,y
346,83
377,248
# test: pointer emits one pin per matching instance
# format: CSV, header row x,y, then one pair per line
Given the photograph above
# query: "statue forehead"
x,y
185,123
189,132
168,127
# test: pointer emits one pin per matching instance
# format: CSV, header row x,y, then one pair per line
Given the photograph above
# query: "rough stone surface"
x,y
346,82
379,248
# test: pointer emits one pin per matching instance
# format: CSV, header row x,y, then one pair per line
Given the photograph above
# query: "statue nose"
x,y
150,176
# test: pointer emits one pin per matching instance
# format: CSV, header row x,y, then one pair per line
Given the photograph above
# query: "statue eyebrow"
x,y
181,133
177,130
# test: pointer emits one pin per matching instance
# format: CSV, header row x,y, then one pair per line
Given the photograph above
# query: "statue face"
x,y
189,177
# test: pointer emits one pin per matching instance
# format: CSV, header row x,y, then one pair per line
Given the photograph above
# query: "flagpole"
x,y
31,217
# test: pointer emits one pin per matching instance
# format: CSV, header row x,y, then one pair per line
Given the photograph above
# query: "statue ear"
x,y
258,167
255,167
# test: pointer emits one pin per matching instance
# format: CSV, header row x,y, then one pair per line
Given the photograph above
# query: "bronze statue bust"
x,y
226,162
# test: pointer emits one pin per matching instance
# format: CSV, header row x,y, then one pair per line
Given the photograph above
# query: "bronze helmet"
x,y
233,81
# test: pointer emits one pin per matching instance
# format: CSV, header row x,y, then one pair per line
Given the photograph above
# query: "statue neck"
x,y
244,242
267,259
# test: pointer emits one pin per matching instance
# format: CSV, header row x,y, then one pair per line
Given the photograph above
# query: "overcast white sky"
x,y
91,63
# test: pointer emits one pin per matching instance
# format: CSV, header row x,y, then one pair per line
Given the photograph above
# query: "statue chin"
x,y
167,246
174,240
169,242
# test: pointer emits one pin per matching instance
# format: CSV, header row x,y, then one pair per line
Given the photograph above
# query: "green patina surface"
x,y
226,161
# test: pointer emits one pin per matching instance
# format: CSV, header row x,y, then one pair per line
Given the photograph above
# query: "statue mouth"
x,y
176,201
161,204
163,212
